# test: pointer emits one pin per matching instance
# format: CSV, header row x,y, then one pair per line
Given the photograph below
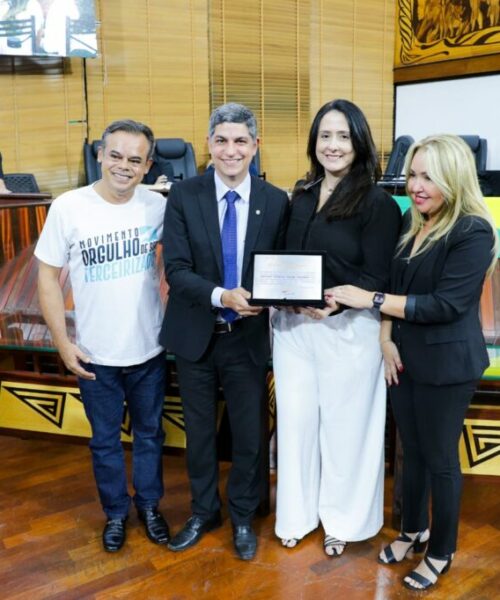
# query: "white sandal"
x,y
333,546
290,542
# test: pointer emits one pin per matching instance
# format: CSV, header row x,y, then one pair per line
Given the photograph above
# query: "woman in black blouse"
x,y
327,362
434,350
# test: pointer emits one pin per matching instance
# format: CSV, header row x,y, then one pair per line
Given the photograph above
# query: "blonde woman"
x,y
431,338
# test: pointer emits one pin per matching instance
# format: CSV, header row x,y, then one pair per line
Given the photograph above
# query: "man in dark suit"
x,y
212,224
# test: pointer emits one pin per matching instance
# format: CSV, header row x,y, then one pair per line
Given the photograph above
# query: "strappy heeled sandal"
x,y
289,542
424,581
336,546
417,544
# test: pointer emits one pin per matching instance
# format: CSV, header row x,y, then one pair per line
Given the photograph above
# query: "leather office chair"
x,y
179,154
479,147
489,181
393,178
92,167
21,183
255,166
394,168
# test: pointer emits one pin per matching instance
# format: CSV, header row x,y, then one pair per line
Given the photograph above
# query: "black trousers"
x,y
429,419
226,363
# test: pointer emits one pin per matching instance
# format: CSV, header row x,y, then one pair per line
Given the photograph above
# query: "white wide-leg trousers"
x,y
331,405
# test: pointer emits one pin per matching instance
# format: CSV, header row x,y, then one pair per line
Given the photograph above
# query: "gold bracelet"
x,y
384,341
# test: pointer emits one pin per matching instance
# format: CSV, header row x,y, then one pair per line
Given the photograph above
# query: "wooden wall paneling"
x,y
282,58
179,72
121,76
41,110
286,91
154,68
332,51
8,101
268,72
352,58
373,51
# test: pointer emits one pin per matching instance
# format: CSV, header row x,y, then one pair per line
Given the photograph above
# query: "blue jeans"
x,y
143,387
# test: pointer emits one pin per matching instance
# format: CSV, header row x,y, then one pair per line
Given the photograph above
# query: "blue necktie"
x,y
230,251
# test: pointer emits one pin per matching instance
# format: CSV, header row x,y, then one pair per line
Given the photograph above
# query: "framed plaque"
x,y
287,278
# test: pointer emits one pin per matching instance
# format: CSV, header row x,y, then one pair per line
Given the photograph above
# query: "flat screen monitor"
x,y
48,28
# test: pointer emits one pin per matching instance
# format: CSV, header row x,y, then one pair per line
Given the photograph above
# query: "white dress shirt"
x,y
242,206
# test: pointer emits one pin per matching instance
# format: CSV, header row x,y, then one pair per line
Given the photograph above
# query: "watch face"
x,y
378,299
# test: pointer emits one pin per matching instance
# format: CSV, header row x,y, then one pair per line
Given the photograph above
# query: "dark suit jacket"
x,y
192,254
440,339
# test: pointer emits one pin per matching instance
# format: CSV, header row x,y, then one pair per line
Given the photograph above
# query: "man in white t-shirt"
x,y
108,233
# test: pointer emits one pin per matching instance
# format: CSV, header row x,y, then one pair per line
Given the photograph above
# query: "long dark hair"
x,y
365,170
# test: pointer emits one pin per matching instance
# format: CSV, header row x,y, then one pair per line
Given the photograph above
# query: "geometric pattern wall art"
x,y
480,447
59,410
49,404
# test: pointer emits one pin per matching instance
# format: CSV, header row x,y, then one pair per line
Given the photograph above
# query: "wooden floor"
x,y
50,544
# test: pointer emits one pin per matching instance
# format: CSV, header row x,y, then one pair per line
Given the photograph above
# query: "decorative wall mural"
x,y
430,31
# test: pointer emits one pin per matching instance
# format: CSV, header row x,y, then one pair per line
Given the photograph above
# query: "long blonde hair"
x,y
450,165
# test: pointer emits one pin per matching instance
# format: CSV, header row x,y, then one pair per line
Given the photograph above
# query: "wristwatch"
x,y
378,300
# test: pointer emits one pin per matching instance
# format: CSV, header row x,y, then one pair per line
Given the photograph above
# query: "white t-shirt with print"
x,y
111,253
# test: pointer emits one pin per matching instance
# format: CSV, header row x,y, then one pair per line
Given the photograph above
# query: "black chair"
x,y
179,154
176,151
92,167
479,147
393,178
394,168
489,182
21,183
255,166
19,31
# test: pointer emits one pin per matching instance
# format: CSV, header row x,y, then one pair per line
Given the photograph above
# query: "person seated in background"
x,y
160,172
3,188
434,349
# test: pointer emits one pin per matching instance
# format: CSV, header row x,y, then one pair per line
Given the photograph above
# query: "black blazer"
x,y
192,253
440,339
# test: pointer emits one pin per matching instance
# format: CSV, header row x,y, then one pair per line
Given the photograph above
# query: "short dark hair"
x,y
365,169
130,126
233,113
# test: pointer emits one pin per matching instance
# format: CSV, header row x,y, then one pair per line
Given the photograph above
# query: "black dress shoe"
x,y
245,541
193,531
155,525
113,536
